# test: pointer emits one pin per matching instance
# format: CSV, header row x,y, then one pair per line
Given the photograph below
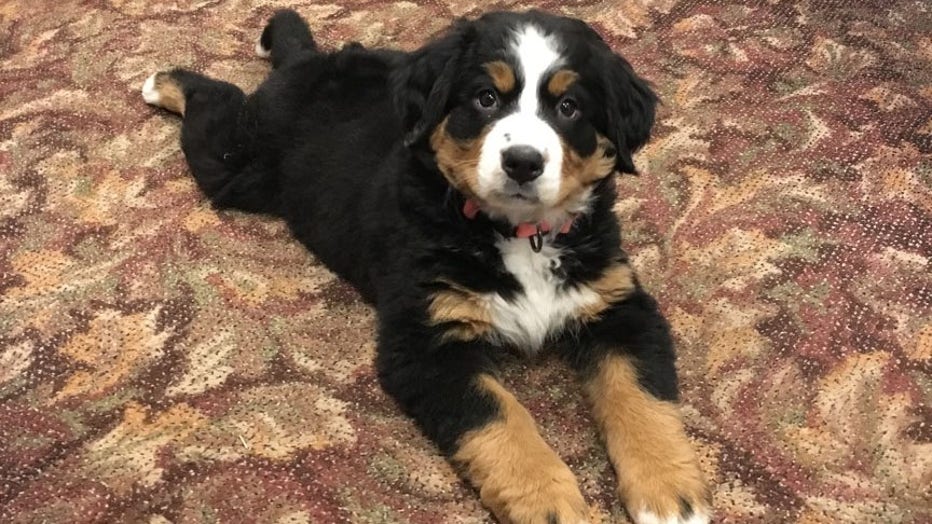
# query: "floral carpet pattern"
x,y
164,362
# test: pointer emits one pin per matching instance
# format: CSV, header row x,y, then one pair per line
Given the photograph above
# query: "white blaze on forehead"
x,y
536,54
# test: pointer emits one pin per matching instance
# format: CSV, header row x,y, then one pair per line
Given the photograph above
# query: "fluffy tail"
x,y
285,37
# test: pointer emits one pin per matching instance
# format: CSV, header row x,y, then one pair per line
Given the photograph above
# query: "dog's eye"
x,y
568,108
487,99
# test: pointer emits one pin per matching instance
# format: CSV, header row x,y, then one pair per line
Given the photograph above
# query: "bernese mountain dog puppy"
x,y
466,190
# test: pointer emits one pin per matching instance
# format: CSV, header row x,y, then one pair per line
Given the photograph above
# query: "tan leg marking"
x,y
561,81
646,440
615,284
170,94
463,309
503,76
518,476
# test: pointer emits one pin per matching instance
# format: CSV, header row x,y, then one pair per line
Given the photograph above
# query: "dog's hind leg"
x,y
216,139
285,37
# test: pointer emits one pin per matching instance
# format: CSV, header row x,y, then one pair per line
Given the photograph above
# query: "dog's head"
x,y
525,113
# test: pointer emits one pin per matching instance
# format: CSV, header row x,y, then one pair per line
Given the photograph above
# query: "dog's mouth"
x,y
523,203
518,201
516,194
518,207
524,198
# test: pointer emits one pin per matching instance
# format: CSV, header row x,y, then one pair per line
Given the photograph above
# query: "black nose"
x,y
522,163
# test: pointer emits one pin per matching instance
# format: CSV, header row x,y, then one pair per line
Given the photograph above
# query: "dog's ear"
x,y
421,84
629,106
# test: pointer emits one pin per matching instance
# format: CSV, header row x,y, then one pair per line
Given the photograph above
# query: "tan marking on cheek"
x,y
464,310
519,477
615,284
561,81
171,96
580,172
503,76
458,160
646,442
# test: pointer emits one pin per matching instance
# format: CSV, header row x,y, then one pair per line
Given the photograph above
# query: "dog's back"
x,y
326,127
314,145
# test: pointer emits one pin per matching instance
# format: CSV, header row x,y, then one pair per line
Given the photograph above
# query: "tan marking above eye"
x,y
561,81
503,76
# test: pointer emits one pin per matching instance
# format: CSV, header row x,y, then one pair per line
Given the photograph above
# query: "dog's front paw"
x,y
542,501
672,493
520,478
659,478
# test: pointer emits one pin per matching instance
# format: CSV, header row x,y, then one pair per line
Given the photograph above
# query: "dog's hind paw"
x,y
162,90
261,51
649,517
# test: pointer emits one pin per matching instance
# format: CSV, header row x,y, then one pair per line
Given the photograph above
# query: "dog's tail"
x,y
285,37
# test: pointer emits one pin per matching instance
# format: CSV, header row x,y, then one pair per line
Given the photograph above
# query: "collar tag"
x,y
536,240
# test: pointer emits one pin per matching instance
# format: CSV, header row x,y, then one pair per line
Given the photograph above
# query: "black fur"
x,y
286,36
630,114
337,145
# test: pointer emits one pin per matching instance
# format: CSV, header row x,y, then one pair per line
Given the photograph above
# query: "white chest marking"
x,y
543,307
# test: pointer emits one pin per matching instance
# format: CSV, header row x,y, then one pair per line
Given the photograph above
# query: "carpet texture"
x,y
163,362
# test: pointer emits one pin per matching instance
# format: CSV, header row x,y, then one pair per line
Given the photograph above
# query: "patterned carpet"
x,y
162,362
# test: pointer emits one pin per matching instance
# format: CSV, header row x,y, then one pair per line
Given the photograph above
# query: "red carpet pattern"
x,y
163,362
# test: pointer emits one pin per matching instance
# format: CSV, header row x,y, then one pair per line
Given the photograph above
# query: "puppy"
x,y
466,190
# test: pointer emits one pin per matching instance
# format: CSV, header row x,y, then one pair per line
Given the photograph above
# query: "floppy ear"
x,y
629,106
421,84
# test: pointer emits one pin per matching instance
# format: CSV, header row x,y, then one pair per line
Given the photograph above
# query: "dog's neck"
x,y
533,231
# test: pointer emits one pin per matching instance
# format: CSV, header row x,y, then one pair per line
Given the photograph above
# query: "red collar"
x,y
531,230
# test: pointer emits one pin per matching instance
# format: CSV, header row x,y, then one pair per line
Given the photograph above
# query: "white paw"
x,y
649,517
261,51
149,93
699,517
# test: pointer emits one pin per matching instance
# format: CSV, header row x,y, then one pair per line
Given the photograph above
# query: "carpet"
x,y
164,362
